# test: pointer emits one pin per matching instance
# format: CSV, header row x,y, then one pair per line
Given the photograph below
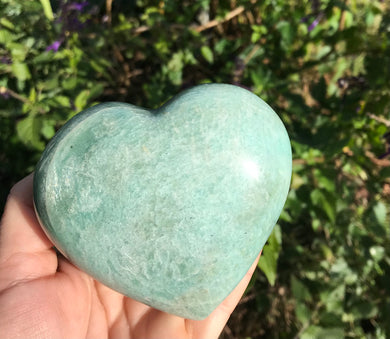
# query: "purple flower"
x,y
78,6
304,19
5,60
69,16
315,12
54,46
314,24
70,19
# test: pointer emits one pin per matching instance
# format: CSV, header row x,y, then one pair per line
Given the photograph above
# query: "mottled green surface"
x,y
169,207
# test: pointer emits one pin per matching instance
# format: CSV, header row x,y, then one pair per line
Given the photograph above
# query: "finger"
x,y
126,315
20,229
212,326
97,319
25,251
113,303
160,325
135,311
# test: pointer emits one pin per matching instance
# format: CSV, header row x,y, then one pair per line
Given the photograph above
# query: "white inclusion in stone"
x,y
251,168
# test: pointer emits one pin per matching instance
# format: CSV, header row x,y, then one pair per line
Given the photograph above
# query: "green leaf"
x,y
220,46
322,201
380,212
377,252
82,99
97,67
287,32
311,332
324,181
207,54
326,250
18,51
49,84
334,299
47,129
269,258
6,23
340,267
33,95
21,71
6,36
62,100
174,69
364,310
258,32
69,83
299,290
47,9
316,332
302,312
329,319
29,130
43,58
96,90
285,216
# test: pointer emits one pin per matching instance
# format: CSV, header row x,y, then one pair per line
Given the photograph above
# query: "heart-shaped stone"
x,y
168,206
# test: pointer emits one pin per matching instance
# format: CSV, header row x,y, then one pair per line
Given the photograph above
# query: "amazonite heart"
x,y
168,206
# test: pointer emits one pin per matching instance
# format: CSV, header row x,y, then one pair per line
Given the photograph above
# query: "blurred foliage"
x,y
324,66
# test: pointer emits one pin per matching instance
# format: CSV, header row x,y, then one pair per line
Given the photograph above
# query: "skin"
x,y
42,295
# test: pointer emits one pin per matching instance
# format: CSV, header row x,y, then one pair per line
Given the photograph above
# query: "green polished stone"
x,y
168,206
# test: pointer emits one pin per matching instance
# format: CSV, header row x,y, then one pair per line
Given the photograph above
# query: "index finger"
x,y
23,244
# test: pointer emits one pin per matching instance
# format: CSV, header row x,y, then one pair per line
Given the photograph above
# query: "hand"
x,y
42,295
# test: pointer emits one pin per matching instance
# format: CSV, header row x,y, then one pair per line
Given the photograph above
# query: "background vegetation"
x,y
324,66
